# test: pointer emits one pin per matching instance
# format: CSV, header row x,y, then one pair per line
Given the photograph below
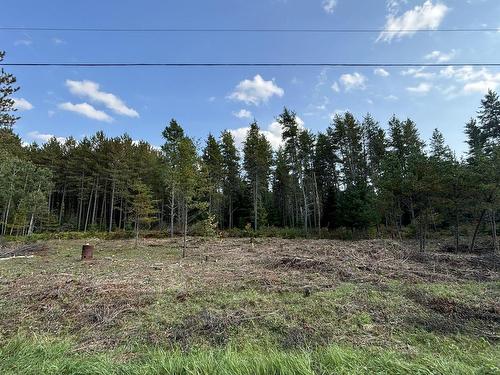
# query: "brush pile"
x,y
23,250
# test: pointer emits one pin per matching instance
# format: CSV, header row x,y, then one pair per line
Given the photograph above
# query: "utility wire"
x,y
245,30
230,64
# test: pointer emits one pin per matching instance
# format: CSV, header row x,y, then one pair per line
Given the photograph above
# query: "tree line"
x,y
355,175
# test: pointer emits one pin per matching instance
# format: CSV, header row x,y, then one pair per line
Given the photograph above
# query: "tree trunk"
x,y
172,212
457,231
7,212
185,230
61,209
304,197
231,212
476,230
121,213
318,204
494,230
136,231
80,204
102,221
111,209
94,211
255,204
87,216
32,224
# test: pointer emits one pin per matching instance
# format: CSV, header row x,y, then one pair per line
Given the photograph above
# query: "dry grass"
x,y
292,293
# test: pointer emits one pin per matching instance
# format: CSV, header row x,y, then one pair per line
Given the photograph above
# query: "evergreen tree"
x,y
7,104
142,207
230,174
173,135
475,141
212,158
489,118
281,191
190,183
326,162
257,161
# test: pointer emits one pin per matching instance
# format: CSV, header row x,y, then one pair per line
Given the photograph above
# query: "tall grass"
x,y
42,356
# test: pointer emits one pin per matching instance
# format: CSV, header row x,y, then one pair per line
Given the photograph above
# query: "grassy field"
x,y
230,307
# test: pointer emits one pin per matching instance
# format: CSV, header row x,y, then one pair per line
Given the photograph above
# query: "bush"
x,y
205,228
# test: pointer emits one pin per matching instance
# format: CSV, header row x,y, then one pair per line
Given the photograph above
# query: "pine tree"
x,y
257,161
475,141
375,148
281,191
326,162
173,135
489,118
355,201
231,179
212,158
7,104
189,184
308,181
439,150
142,207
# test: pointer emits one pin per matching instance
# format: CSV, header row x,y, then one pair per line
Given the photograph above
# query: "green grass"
x,y
121,314
40,356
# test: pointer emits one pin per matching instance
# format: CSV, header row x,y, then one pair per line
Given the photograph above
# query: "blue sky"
x,y
140,101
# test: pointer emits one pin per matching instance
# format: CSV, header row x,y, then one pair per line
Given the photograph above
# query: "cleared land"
x,y
230,307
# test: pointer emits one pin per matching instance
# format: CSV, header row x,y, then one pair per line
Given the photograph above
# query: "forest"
x,y
357,179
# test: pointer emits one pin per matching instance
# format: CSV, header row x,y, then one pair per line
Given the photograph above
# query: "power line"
x,y
231,64
245,30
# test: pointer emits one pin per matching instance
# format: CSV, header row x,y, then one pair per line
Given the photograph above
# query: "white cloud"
x,y
473,80
23,42
243,113
58,41
353,81
425,16
86,110
37,136
329,6
323,104
391,98
22,104
441,57
272,134
381,72
256,91
239,135
394,5
419,73
338,112
335,87
422,88
91,90
481,86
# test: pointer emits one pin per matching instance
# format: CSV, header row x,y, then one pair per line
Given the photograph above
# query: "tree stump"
x,y
87,252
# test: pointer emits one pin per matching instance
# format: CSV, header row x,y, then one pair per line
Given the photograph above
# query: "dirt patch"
x,y
450,316
449,307
298,263
214,327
